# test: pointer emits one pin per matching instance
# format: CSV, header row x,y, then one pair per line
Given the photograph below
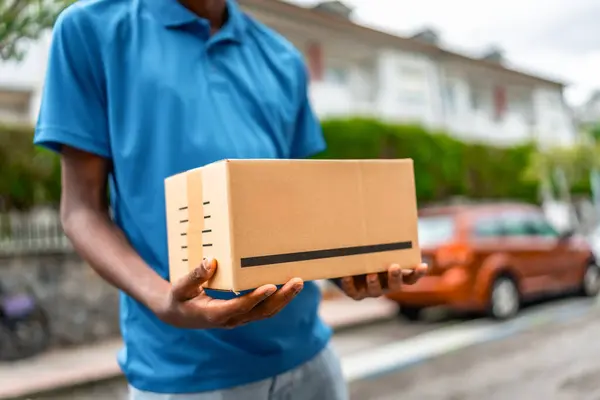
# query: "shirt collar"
x,y
172,14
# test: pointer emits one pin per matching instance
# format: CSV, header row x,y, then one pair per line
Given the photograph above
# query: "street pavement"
x,y
548,352
551,352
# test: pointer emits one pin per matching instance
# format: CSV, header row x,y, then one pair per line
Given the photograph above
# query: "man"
x,y
138,90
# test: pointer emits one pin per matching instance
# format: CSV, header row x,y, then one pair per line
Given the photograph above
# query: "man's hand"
x,y
375,285
188,306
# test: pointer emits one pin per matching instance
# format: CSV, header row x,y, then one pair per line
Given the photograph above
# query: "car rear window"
x,y
435,230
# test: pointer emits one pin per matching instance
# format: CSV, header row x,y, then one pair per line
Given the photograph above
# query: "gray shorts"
x,y
319,379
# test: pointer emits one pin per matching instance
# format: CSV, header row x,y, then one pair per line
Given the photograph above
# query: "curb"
x,y
49,388
339,328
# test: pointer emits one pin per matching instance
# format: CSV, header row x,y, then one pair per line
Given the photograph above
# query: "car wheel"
x,y
505,299
590,285
410,313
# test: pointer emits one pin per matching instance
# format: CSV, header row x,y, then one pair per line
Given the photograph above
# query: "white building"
x,y
21,84
357,70
589,112
360,71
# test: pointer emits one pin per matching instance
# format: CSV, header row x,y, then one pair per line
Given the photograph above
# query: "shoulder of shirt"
x,y
93,25
93,14
271,38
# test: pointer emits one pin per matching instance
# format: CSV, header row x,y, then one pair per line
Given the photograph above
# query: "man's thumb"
x,y
189,286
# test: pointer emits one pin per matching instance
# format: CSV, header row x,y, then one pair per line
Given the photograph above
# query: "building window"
x,y
363,85
314,56
412,98
552,100
450,96
475,97
336,75
411,73
500,103
523,107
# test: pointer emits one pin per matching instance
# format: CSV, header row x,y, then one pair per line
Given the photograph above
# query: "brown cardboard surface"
x,y
267,221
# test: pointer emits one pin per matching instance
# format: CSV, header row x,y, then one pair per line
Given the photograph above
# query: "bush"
x,y
28,175
444,166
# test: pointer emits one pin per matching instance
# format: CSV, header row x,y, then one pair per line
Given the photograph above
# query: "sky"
x,y
557,39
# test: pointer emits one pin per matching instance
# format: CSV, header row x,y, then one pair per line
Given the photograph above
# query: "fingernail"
x,y
297,288
208,264
396,272
270,292
373,279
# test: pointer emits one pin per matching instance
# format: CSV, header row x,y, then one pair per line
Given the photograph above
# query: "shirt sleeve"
x,y
308,137
73,103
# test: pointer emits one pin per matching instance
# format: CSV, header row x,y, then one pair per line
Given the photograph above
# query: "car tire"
x,y
410,313
505,299
590,283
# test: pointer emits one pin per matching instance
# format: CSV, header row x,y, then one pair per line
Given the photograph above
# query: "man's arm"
x,y
86,222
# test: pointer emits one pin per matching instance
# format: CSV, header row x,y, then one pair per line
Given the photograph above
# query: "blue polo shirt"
x,y
142,83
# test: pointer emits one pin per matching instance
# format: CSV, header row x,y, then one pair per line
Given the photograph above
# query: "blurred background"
x,y
497,103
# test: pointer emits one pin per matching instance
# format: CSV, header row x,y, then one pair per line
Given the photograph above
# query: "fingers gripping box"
x,y
267,221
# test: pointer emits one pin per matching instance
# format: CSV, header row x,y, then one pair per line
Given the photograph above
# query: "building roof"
x,y
412,44
335,7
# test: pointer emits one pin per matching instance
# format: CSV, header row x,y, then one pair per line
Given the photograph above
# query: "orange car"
x,y
490,258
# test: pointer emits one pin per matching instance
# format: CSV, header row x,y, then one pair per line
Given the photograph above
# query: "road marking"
x,y
408,352
373,363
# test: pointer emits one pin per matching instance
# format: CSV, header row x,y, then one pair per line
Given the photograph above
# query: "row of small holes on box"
x,y
183,221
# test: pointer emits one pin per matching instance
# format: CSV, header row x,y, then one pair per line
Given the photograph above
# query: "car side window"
x,y
542,227
487,227
516,224
513,224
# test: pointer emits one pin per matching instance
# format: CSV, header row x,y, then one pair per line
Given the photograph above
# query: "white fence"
x,y
31,234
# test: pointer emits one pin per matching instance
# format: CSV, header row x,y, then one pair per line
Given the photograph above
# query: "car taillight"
x,y
453,254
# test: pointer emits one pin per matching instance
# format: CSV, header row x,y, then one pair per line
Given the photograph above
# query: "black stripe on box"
x,y
320,254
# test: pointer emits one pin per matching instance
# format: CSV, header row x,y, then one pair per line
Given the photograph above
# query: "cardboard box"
x,y
267,221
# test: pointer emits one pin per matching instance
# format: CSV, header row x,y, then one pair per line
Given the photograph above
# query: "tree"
x,y
594,132
23,20
572,164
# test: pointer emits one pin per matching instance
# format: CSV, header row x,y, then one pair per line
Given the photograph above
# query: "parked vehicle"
x,y
491,258
24,328
594,240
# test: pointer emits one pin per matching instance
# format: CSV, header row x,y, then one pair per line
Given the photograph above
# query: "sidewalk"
x,y
341,313
64,368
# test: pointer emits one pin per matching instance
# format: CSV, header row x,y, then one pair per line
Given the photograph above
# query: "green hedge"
x,y
28,175
444,166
